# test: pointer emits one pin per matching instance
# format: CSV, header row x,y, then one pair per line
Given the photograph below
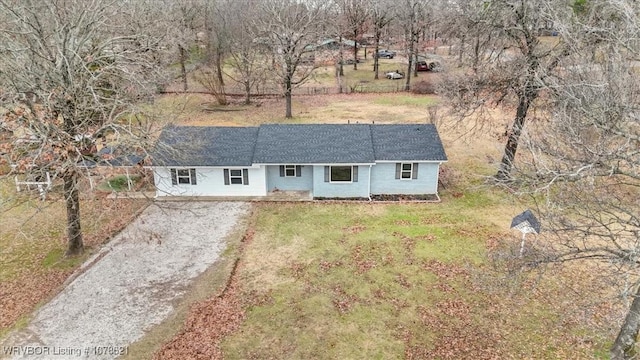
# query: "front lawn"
x,y
378,281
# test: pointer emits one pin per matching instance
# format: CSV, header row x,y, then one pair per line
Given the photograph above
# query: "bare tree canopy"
x,y
506,61
71,70
585,157
291,29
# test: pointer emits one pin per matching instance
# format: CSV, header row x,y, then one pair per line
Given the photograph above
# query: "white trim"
x,y
241,176
369,183
295,173
341,182
402,170
178,176
254,166
412,161
319,164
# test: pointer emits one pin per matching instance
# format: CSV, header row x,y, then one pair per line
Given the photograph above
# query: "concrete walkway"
x,y
131,284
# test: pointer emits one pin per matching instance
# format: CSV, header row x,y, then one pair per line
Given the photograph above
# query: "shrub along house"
x,y
325,160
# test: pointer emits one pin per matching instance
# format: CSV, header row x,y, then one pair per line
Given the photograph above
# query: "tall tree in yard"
x,y
380,14
411,14
71,69
583,163
291,29
248,60
356,15
507,62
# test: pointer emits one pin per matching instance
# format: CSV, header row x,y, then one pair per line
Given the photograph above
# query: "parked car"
x,y
386,54
430,65
394,75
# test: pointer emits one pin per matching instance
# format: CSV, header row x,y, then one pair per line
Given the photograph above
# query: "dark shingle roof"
x,y
528,216
296,144
314,144
407,142
205,146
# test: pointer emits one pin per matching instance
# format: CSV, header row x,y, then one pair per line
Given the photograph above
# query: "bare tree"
x,y
356,16
217,29
248,60
291,29
585,158
380,18
508,62
69,70
186,18
410,14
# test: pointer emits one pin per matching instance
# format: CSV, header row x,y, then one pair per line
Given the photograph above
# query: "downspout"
x,y
369,183
438,181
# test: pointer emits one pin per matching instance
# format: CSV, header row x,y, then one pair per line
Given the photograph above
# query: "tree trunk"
x,y
219,68
624,346
287,98
355,50
375,54
247,91
341,56
407,85
287,94
72,200
183,69
461,50
504,173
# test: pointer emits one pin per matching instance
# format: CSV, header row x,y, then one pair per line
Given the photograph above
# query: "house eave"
x,y
413,161
317,164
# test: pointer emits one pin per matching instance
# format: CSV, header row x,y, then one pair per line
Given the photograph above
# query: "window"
x,y
236,176
289,170
341,173
406,171
183,176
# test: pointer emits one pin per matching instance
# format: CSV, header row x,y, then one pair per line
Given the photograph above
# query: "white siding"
x,y
210,182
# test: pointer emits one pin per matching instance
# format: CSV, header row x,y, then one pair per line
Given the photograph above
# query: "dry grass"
x,y
33,242
402,281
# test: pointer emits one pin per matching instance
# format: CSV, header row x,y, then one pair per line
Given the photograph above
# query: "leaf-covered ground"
x,y
389,281
32,246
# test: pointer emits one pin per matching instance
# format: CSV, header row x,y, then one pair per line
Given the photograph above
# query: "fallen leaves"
x,y
211,320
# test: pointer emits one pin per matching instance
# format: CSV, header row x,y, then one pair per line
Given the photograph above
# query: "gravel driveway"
x,y
132,284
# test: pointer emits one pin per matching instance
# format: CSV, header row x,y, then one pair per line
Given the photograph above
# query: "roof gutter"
x,y
369,184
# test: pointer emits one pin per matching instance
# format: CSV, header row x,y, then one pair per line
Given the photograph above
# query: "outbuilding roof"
x,y
297,144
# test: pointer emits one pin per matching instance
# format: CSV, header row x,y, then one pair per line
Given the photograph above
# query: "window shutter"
x,y
326,174
414,172
298,171
355,174
174,176
226,176
398,167
281,170
245,176
192,172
